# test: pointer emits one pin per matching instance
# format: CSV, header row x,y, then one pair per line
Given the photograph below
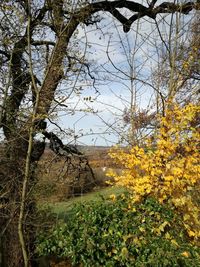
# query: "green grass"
x,y
62,209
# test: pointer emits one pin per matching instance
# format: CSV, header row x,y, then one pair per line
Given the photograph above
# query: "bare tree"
x,y
177,73
35,58
132,76
174,72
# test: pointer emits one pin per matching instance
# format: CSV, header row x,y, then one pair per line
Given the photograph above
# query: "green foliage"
x,y
117,233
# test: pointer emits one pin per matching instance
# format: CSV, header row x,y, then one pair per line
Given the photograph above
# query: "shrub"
x,y
168,168
117,233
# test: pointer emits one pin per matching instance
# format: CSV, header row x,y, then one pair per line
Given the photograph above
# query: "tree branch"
x,y
43,42
20,79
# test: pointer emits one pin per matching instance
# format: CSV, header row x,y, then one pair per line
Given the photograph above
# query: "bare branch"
x,y
42,42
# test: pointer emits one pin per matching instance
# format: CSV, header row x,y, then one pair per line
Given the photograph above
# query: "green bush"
x,y
115,233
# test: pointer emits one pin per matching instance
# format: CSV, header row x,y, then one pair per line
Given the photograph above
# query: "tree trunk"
x,y
12,253
12,168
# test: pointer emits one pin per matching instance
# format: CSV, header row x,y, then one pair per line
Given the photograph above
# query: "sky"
x,y
94,110
100,120
113,55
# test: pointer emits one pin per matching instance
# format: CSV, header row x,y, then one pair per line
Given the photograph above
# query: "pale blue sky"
x,y
114,89
95,43
143,41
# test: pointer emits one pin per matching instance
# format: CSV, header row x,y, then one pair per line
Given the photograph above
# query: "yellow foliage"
x,y
169,168
167,236
113,197
173,241
185,254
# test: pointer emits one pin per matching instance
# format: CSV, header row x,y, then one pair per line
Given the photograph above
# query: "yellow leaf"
x,y
167,236
174,242
191,233
124,252
114,251
168,166
185,254
186,217
161,228
113,197
141,229
134,209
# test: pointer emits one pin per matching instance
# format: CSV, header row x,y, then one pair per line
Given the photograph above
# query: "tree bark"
x,y
12,175
12,168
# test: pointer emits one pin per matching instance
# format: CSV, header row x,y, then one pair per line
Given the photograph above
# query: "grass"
x,y
62,209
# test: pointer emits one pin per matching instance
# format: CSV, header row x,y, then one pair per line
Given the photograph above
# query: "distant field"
x,y
62,208
97,155
57,183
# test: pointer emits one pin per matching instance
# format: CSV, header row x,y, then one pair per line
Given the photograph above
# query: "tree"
x,y
177,74
131,122
35,59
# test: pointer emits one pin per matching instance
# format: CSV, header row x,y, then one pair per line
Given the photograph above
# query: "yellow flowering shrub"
x,y
168,168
